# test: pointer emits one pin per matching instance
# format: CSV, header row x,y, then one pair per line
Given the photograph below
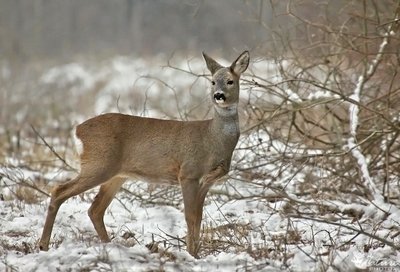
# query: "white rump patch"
x,y
77,142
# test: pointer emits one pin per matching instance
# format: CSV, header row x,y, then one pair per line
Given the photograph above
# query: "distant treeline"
x,y
59,28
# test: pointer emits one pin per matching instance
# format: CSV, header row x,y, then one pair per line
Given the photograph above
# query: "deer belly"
x,y
153,173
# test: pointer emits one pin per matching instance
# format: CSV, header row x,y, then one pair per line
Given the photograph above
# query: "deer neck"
x,y
225,123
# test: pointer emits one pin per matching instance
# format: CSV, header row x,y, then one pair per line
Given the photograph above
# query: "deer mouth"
x,y
219,98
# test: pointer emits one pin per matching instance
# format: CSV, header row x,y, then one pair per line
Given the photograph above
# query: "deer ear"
x,y
212,65
241,63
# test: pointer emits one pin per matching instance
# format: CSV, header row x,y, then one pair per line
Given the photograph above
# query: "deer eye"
x,y
230,82
213,82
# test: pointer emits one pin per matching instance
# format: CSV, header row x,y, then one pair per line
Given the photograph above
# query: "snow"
x,y
68,74
73,224
75,245
292,96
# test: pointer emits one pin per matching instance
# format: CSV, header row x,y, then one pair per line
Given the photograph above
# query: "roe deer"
x,y
193,154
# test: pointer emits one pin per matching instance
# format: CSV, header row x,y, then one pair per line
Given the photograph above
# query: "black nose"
x,y
219,97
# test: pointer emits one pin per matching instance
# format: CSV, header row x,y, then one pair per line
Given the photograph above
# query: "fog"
x,y
66,29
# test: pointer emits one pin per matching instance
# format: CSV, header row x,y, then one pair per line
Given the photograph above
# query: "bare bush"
x,y
330,117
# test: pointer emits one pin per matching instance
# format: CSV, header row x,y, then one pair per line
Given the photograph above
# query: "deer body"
x,y
133,155
193,154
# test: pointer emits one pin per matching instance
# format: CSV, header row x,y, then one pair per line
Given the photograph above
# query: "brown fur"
x,y
193,154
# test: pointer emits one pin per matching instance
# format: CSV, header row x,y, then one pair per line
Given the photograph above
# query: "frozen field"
x,y
280,209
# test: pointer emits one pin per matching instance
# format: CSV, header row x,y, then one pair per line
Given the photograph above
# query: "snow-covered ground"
x,y
253,235
261,220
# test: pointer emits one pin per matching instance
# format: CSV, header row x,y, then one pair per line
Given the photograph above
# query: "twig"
x,y
53,150
360,231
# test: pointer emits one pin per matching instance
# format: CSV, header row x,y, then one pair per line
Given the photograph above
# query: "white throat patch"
x,y
227,111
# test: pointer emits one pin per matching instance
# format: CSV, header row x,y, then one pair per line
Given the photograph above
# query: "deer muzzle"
x,y
219,97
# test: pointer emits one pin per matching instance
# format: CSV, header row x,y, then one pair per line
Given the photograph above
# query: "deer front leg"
x,y
193,202
194,192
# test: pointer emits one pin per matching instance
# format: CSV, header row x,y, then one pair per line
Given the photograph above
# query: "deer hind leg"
x,y
61,193
101,202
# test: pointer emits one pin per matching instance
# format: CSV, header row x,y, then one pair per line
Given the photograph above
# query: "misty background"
x,y
63,30
59,29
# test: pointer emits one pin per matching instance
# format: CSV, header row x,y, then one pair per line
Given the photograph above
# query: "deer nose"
x,y
219,97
